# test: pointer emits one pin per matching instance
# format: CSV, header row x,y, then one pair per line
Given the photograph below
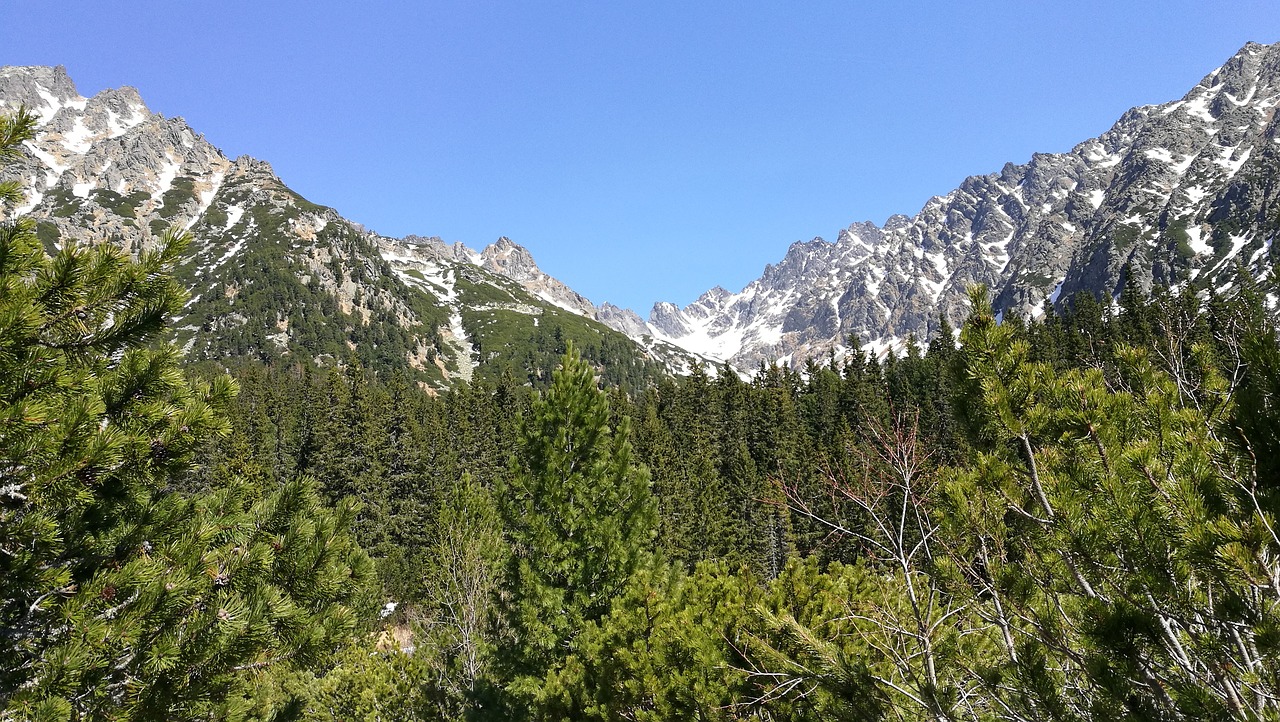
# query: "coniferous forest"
x,y
1062,519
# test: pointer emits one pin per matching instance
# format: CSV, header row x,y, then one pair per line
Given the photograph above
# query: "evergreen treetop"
x,y
579,517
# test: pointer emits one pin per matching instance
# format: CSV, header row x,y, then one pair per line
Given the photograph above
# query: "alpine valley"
x,y
282,467
1179,193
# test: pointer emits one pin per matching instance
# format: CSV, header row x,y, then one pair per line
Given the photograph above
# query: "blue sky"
x,y
642,151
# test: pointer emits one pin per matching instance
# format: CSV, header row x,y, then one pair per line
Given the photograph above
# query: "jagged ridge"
x,y
1179,192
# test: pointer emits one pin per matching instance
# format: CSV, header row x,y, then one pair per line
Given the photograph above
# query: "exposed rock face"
x,y
623,319
106,167
515,262
1179,192
43,90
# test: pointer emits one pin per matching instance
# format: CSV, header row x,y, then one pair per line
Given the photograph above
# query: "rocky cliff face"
x,y
508,259
106,164
1180,193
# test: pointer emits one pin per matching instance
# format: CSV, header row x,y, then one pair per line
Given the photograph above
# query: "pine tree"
x,y
1113,538
121,598
579,518
668,650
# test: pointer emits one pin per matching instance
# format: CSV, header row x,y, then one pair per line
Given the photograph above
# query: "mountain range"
x,y
273,275
1176,193
1185,192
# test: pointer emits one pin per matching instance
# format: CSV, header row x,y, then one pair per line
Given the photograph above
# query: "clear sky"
x,y
642,151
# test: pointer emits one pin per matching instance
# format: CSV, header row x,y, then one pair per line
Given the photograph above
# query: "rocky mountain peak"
x,y
42,89
895,222
1177,192
1242,70
622,319
251,167
665,319
106,167
514,261
123,99
434,244
508,258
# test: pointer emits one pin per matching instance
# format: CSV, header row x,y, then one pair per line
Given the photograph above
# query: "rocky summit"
x,y
1179,193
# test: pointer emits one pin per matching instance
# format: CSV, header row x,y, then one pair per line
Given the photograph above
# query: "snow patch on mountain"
x,y
234,214
164,180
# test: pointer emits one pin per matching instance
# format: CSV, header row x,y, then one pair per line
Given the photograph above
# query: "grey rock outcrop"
x,y
513,261
622,319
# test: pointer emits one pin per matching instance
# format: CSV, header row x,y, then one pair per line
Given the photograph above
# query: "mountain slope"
x,y
1179,192
273,275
